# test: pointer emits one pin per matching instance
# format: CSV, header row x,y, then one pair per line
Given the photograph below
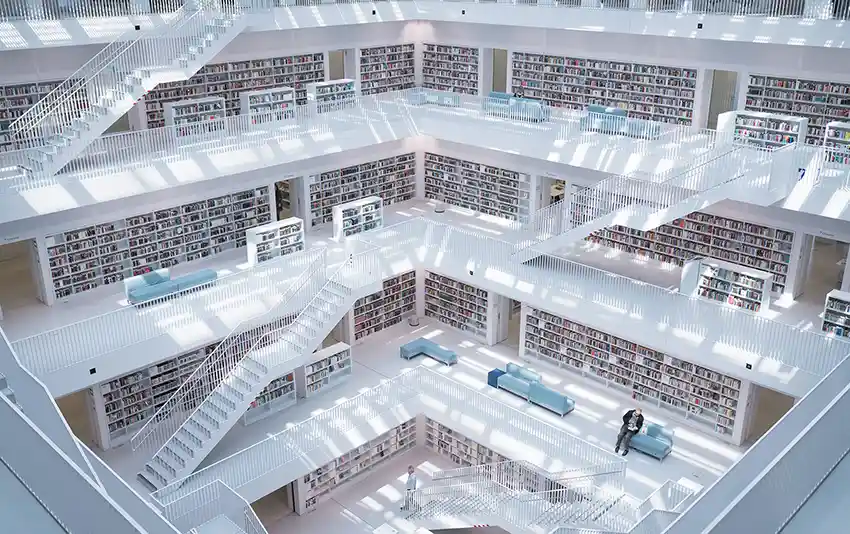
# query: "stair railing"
x,y
208,503
218,365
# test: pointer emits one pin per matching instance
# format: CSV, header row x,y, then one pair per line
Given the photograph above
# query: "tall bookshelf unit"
x,y
274,240
451,68
334,95
461,306
386,68
725,282
358,216
478,187
457,447
106,253
276,397
819,101
331,366
701,395
653,92
385,308
762,129
268,105
393,179
837,138
17,99
700,234
316,486
836,314
197,117
228,80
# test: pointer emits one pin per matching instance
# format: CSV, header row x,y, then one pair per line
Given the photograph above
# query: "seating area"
x,y
426,347
507,106
615,121
526,383
156,284
419,97
653,440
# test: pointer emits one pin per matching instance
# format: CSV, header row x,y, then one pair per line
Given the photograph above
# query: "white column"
x,y
418,53
746,399
485,71
801,251
702,98
40,270
97,417
509,65
498,317
420,175
845,276
741,91
522,325
351,62
420,292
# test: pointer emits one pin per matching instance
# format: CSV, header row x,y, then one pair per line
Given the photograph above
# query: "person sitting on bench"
x,y
632,423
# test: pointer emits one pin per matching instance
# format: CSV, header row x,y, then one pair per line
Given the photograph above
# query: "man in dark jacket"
x,y
632,423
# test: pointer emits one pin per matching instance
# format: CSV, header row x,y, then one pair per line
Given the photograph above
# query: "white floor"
x,y
697,459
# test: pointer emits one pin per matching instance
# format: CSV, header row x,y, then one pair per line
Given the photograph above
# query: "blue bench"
x,y
510,107
157,284
420,97
426,347
654,440
527,384
614,121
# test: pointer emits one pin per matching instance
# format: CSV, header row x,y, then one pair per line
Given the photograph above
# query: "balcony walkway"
x,y
134,163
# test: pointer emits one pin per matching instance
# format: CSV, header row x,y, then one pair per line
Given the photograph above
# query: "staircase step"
x,y
197,427
208,418
174,456
190,437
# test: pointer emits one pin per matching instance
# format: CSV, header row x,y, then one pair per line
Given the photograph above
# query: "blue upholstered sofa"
x,y
654,440
614,121
158,283
426,347
526,383
509,107
419,97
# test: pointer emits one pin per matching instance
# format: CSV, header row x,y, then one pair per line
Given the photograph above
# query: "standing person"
x,y
632,423
409,486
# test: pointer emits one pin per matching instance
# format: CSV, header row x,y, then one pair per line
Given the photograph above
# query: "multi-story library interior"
x,y
555,282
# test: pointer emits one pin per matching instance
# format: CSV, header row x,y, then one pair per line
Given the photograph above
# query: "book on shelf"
x,y
478,187
277,396
17,99
708,398
450,68
837,140
274,240
194,118
386,68
330,367
460,449
646,91
700,234
836,314
229,80
456,304
315,487
393,179
725,282
332,96
107,253
762,129
820,102
358,216
268,105
385,308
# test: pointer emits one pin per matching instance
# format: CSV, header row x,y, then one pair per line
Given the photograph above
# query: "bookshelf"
x,y
106,253
357,216
457,447
228,80
119,407
837,138
196,118
699,234
316,486
392,179
386,68
268,105
718,280
276,397
15,100
450,68
818,101
478,187
334,95
701,395
274,240
385,308
836,313
331,367
762,129
456,304
652,92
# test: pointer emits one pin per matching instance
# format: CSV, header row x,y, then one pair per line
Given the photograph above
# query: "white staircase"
x,y
62,124
216,509
246,371
646,202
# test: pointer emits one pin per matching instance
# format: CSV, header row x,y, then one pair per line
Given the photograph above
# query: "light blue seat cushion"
x,y
515,385
522,373
146,292
657,441
550,399
197,278
428,348
147,279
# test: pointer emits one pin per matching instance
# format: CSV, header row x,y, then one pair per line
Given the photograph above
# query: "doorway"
x,y
275,506
724,94
22,284
824,266
500,70
288,198
514,324
341,64
766,408
79,414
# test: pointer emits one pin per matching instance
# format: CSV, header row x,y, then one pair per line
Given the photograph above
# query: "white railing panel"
x,y
210,502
